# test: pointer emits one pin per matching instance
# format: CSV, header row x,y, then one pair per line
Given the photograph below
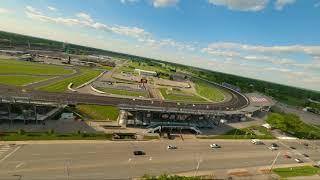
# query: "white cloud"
x,y
83,19
241,5
128,1
164,3
52,8
280,4
84,16
4,11
308,50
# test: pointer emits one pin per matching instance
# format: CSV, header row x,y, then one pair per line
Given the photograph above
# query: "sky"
x,y
272,40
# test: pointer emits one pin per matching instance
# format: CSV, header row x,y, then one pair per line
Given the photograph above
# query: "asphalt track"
x,y
236,102
115,160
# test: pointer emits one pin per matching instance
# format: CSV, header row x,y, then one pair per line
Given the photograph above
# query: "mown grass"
x,y
98,112
20,80
245,133
172,96
60,86
209,91
296,171
123,92
26,136
32,68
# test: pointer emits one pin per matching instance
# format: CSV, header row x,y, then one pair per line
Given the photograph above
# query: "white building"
x,y
142,72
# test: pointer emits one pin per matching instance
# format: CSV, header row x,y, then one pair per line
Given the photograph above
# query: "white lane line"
x,y
20,164
8,155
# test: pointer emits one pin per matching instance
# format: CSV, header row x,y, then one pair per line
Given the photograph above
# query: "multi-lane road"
x,y
115,160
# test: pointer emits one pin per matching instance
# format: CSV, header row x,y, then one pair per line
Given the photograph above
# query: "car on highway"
x,y
273,148
305,155
139,153
215,146
172,147
317,165
287,156
256,141
298,160
274,145
291,147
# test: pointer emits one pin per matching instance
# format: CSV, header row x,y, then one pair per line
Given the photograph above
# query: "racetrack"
x,y
236,102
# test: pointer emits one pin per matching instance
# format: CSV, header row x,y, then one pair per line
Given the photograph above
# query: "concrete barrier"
x,y
96,90
89,82
70,87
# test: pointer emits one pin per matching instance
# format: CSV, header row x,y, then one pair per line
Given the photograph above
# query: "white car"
x,y
272,148
298,160
256,141
215,146
172,147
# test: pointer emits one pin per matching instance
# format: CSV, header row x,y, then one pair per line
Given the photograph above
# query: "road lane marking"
x,y
8,155
20,164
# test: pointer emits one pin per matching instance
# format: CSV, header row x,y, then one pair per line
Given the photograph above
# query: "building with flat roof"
x,y
142,72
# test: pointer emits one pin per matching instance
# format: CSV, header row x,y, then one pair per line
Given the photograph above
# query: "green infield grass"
x,y
123,92
20,80
31,68
179,97
209,91
60,86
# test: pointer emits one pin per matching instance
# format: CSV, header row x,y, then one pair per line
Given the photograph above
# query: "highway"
x,y
115,160
236,102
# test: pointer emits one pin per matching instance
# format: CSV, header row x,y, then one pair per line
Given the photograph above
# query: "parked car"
x,y
274,145
298,160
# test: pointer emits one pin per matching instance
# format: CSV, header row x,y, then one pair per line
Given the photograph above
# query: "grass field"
x,y
209,91
169,96
23,67
123,92
296,171
86,75
55,136
245,133
20,80
97,112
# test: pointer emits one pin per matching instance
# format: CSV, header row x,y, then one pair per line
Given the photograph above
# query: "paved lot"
x,y
114,160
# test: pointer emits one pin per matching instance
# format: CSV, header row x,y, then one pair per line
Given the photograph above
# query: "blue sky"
x,y
274,40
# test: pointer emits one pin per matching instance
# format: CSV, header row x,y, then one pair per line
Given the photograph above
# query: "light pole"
x,y
67,169
198,165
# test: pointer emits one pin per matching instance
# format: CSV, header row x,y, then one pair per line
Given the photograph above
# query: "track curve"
x,y
238,101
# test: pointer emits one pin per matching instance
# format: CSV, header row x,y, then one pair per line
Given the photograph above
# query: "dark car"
x,y
305,155
287,156
292,147
137,153
306,144
274,145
